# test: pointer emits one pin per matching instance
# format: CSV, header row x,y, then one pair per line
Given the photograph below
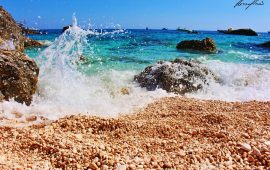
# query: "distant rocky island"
x,y
246,32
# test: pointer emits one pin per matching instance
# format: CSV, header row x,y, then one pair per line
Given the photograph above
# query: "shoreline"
x,y
174,132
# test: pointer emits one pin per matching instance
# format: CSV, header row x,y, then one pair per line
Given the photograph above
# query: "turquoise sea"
x,y
84,71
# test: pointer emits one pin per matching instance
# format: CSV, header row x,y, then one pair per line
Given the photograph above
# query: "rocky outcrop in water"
x,y
18,73
246,32
28,42
205,45
26,30
178,76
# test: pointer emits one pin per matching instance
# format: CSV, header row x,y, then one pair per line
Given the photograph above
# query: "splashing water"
x,y
64,90
91,72
240,82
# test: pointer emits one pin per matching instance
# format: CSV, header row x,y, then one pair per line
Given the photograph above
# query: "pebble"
x,y
79,137
250,158
267,143
256,152
132,166
245,147
31,118
93,166
245,135
182,153
121,167
18,115
167,165
105,167
95,160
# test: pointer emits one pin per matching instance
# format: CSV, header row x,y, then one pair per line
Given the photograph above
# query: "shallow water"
x,y
91,72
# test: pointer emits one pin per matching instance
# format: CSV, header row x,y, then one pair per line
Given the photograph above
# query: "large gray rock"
x,y
178,76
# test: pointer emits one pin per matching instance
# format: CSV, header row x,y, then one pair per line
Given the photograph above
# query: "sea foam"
x,y
239,82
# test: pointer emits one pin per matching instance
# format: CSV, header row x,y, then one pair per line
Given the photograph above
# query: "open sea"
x,y
84,71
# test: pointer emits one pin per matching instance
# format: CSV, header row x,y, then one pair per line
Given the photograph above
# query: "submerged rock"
x,y
178,76
265,45
206,45
19,76
247,32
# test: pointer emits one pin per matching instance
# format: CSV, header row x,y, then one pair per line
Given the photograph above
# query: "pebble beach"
x,y
172,133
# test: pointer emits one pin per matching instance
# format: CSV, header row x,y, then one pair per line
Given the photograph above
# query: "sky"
x,y
132,14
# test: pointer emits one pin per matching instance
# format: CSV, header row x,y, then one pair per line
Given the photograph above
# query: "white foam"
x,y
240,82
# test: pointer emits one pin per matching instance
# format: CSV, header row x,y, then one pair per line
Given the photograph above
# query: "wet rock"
x,y
65,28
31,118
18,76
178,76
18,73
246,32
125,91
206,45
32,43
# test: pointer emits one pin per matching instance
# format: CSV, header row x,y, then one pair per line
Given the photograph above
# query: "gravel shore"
x,y
172,133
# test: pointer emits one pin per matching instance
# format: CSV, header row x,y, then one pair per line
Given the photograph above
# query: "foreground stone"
x,y
18,73
173,133
246,32
178,76
18,76
206,45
